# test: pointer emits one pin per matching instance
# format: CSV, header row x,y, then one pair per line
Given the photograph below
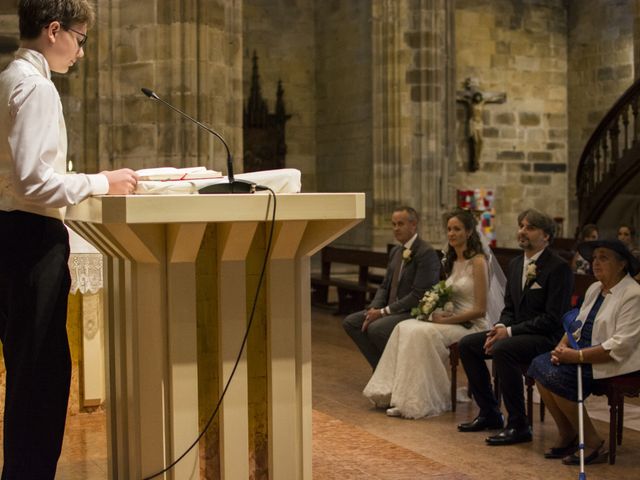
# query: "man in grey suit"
x,y
413,269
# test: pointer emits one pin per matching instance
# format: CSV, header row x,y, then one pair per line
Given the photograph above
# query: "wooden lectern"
x,y
151,244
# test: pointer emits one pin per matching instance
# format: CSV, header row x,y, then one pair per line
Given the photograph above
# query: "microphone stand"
x,y
233,185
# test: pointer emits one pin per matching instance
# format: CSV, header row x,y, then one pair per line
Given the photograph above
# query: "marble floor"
x,y
352,440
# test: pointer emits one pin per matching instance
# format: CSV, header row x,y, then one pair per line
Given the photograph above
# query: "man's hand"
x,y
121,182
371,316
496,333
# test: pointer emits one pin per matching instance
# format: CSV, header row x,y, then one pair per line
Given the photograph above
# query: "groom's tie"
x,y
396,264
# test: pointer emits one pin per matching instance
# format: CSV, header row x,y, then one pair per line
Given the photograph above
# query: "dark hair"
x,y
539,220
587,230
35,15
413,215
632,231
474,245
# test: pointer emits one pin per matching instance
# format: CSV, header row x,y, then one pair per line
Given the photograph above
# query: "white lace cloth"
x,y
413,373
85,265
86,272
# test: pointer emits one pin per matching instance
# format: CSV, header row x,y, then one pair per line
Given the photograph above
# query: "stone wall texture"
x,y
601,68
344,103
190,53
8,32
413,115
519,48
282,34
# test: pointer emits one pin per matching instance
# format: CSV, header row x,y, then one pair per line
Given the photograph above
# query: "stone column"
x,y
636,40
190,53
414,108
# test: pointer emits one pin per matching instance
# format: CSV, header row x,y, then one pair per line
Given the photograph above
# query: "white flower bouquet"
x,y
439,297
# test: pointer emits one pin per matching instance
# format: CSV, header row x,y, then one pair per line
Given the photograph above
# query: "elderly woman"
x,y
608,339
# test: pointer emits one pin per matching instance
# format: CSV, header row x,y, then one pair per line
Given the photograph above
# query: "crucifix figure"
x,y
474,101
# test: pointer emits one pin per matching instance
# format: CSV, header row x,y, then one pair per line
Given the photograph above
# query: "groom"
x,y
537,294
413,268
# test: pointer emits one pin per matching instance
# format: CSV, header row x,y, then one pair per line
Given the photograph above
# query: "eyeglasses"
x,y
82,41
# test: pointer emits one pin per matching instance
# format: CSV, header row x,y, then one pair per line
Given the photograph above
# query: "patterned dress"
x,y
563,379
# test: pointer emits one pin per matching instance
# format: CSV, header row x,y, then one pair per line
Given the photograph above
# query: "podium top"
x,y
154,209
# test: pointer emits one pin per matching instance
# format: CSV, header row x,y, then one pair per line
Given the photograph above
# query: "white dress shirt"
x,y
33,143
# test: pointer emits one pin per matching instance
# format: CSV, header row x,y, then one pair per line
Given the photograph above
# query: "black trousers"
x,y
508,355
34,287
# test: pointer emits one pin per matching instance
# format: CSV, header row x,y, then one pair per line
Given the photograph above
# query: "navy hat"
x,y
586,250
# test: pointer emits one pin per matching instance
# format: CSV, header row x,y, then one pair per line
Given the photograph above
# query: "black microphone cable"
x,y
272,194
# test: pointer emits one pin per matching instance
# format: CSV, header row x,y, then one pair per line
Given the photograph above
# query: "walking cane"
x,y
570,326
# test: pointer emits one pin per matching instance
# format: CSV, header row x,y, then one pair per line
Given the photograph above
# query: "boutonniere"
x,y
406,255
532,272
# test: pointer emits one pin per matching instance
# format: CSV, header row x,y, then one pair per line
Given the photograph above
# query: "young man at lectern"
x,y
34,244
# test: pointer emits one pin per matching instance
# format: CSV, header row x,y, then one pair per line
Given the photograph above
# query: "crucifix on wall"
x,y
474,101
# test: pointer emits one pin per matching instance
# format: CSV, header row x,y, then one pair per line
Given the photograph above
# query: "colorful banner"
x,y
481,201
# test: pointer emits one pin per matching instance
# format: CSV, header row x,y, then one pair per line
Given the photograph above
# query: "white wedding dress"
x,y
413,373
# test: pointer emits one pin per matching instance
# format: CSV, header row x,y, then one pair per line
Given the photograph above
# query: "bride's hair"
x,y
474,245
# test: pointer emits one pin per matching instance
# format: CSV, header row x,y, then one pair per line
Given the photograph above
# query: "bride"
x,y
412,377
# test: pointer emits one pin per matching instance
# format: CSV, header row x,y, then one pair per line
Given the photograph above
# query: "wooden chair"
x,y
616,388
529,384
454,360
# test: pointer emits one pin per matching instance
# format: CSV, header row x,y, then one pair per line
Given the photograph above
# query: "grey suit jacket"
x,y
416,277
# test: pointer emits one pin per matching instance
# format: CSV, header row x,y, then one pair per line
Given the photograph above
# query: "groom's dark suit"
x,y
534,314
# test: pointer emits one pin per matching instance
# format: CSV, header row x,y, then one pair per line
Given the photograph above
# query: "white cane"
x,y
581,475
571,324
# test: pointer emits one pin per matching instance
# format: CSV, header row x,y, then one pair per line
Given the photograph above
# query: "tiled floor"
x,y
340,373
352,440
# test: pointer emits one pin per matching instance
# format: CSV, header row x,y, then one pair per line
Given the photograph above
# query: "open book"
x,y
171,173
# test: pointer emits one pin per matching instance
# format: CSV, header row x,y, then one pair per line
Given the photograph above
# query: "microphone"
x,y
233,186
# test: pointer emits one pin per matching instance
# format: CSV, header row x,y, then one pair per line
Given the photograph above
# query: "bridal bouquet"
x,y
438,297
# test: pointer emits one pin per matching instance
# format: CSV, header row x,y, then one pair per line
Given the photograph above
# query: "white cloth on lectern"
x,y
284,180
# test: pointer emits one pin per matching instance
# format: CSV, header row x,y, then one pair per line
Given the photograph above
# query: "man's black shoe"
x,y
509,436
482,423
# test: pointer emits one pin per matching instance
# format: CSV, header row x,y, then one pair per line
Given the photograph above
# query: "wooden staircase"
x,y
611,157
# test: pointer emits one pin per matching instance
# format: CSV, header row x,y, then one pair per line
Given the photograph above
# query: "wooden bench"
x,y
352,295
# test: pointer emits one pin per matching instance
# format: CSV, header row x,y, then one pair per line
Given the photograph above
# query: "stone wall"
x,y
520,48
282,35
601,68
413,111
9,33
343,71
189,52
